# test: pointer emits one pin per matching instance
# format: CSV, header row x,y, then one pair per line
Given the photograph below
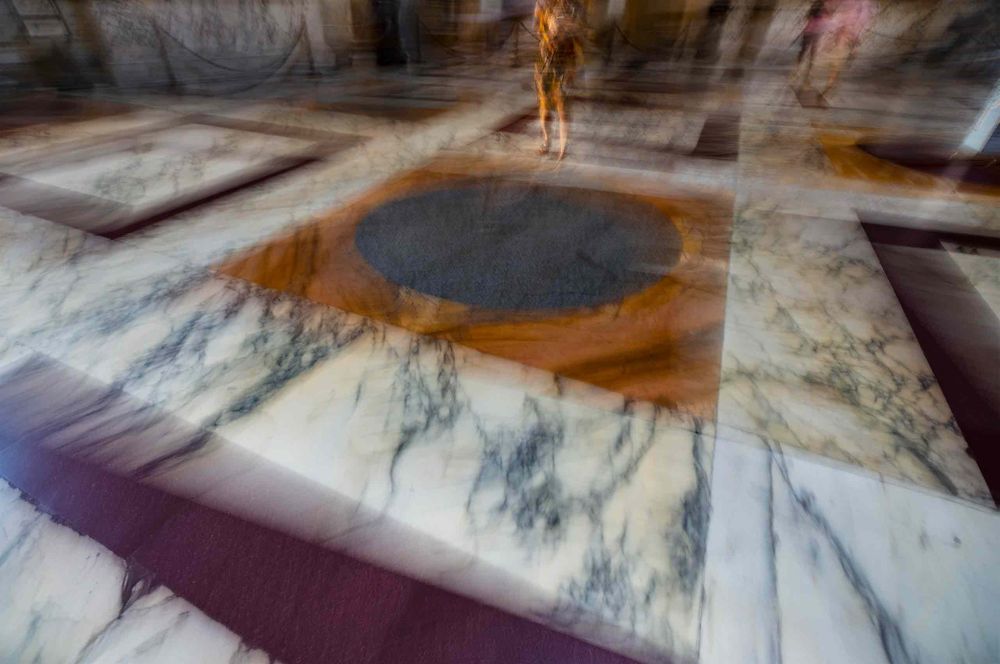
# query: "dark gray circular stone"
x,y
519,247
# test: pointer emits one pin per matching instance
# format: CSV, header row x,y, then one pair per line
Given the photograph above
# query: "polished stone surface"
x,y
815,564
658,344
110,187
147,539
159,165
67,598
751,459
938,161
500,245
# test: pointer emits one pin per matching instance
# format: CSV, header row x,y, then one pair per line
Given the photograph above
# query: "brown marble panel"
x,y
661,344
849,160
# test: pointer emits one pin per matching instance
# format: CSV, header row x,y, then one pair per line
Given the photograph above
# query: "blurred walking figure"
x,y
833,30
817,23
847,24
560,51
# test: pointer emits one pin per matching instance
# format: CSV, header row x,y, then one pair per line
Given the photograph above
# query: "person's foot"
x,y
543,148
562,153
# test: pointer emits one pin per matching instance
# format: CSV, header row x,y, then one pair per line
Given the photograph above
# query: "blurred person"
x,y
408,21
388,48
693,20
848,22
711,36
603,18
559,53
817,24
753,35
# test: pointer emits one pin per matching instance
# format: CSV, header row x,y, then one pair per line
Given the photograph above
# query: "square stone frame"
x,y
662,344
113,219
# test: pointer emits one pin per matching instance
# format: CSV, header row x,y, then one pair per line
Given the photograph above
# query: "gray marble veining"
x,y
65,598
617,521
819,355
599,513
812,563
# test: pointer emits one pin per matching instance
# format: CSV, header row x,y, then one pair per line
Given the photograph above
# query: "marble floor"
x,y
344,371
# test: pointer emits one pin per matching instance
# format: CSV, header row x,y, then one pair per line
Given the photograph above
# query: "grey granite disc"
x,y
519,247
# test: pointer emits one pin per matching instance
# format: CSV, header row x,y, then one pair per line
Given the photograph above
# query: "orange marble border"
x,y
851,162
662,344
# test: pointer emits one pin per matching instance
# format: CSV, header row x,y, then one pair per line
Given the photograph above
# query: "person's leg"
x,y
800,60
840,57
806,59
560,103
543,110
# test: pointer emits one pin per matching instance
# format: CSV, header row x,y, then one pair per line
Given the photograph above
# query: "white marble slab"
x,y
814,564
62,599
16,145
157,167
506,485
597,513
819,355
942,214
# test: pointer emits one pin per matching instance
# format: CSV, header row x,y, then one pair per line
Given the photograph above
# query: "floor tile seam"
x,y
760,441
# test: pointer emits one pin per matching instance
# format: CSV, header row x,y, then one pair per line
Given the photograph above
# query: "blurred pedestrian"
x,y
848,22
817,24
711,36
560,34
408,21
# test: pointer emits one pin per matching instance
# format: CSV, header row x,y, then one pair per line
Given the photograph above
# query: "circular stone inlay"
x,y
520,247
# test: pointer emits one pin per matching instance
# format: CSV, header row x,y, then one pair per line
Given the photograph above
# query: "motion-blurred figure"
x,y
833,30
817,21
409,31
560,34
711,35
848,22
754,34
388,49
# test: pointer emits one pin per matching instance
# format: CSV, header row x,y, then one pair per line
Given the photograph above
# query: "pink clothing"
x,y
850,19
817,25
